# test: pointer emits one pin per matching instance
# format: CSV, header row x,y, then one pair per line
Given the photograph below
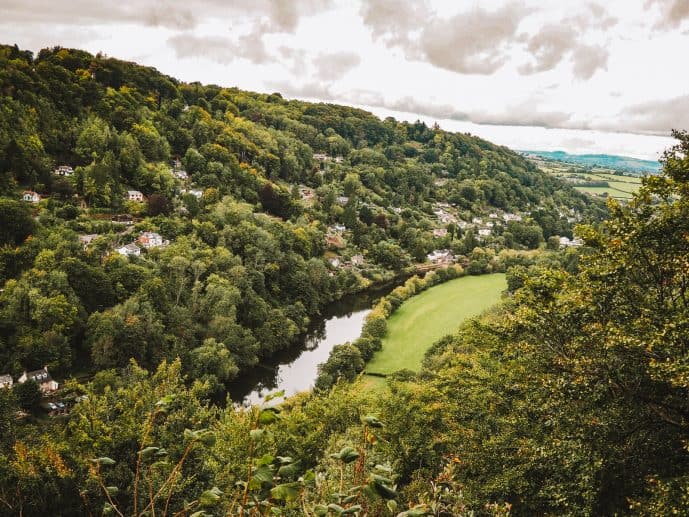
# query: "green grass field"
x,y
425,318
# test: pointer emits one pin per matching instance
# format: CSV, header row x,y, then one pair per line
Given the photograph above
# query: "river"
x,y
296,368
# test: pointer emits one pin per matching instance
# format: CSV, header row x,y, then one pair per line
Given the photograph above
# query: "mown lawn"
x,y
425,318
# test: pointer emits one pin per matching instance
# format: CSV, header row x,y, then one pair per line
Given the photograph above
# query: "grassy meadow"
x,y
426,317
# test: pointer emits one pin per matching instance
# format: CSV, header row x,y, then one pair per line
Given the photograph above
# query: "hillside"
x,y
624,164
160,237
223,219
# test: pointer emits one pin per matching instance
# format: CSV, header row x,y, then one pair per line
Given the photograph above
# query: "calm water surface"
x,y
296,368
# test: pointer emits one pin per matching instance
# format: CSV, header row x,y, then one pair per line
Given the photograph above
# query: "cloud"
x,y
672,13
393,20
219,49
274,15
588,59
548,47
656,117
475,42
335,65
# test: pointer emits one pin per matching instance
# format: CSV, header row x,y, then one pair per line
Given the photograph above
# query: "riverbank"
x,y
428,316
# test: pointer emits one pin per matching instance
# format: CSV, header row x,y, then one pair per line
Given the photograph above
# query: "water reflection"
x,y
295,369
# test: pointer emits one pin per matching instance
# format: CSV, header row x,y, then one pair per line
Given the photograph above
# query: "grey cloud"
x,y
393,20
548,47
335,65
672,13
310,90
273,15
475,42
587,59
656,117
221,50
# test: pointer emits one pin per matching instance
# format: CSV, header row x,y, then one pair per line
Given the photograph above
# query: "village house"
x,y
321,157
334,262
445,217
152,240
342,200
63,170
440,257
6,381
129,250
484,232
194,192
306,193
134,195
477,220
338,159
565,242
180,174
87,239
493,215
42,378
336,228
440,232
511,217
31,196
439,182
357,260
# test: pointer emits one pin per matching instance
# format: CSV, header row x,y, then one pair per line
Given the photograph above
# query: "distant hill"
x,y
621,163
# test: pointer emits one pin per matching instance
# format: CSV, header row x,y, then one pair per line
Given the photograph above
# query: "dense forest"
x,y
268,209
569,398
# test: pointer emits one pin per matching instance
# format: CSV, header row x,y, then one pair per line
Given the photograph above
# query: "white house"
x,y
484,232
87,238
334,262
152,240
440,257
342,200
31,196
180,174
357,260
336,228
6,381
129,250
134,195
565,242
42,378
63,170
511,217
194,192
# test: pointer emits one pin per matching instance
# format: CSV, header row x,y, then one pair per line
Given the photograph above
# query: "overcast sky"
x,y
582,76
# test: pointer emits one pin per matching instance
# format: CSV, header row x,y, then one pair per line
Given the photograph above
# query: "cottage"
x,y
357,260
63,170
31,196
484,232
336,228
180,174
342,200
565,242
477,220
440,232
511,217
134,195
307,194
440,257
194,192
152,240
338,159
6,381
321,157
439,182
129,250
87,238
42,378
334,262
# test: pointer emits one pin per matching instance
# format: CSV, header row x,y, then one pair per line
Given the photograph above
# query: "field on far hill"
x,y
597,181
427,317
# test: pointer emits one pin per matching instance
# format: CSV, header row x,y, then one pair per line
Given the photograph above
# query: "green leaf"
x,y
189,435
207,438
108,509
351,510
148,452
383,491
285,459
392,505
346,455
336,508
380,479
320,510
308,477
210,497
289,470
274,395
372,421
104,460
264,474
256,434
112,490
268,416
286,492
266,459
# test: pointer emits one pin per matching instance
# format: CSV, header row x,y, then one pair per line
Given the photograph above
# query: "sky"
x,y
588,76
